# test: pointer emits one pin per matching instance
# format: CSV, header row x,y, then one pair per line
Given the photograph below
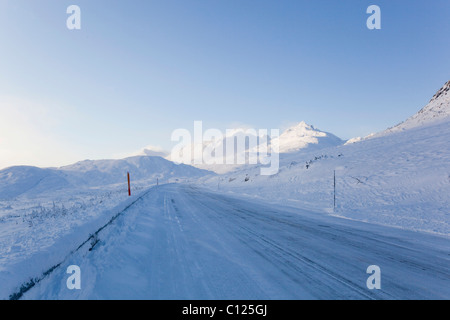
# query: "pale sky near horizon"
x,y
138,70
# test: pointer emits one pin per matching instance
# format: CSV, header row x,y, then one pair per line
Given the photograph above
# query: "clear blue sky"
x,y
139,69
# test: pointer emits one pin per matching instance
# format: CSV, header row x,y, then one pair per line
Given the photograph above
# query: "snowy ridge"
x,y
436,110
105,172
32,181
15,181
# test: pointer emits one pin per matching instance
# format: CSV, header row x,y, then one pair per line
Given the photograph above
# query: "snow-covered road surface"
x,y
183,242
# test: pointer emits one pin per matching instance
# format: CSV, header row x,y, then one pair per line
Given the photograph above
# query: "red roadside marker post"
x,y
129,188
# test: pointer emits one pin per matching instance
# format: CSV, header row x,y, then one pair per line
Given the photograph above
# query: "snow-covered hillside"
x,y
438,109
400,179
32,181
16,181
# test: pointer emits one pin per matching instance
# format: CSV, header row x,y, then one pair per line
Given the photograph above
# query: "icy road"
x,y
181,242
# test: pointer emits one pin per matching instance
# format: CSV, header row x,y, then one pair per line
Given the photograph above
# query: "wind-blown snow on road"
x,y
183,242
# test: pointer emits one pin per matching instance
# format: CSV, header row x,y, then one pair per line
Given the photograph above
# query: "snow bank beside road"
x,y
39,248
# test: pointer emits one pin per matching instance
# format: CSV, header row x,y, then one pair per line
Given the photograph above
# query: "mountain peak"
x,y
301,127
303,135
443,92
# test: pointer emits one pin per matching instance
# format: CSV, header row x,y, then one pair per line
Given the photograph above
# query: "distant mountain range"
x,y
25,180
153,163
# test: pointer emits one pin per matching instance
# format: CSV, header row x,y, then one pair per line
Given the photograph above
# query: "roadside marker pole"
x,y
129,188
334,208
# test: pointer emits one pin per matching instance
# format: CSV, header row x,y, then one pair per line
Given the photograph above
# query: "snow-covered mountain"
x,y
20,180
234,143
436,111
298,137
303,135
